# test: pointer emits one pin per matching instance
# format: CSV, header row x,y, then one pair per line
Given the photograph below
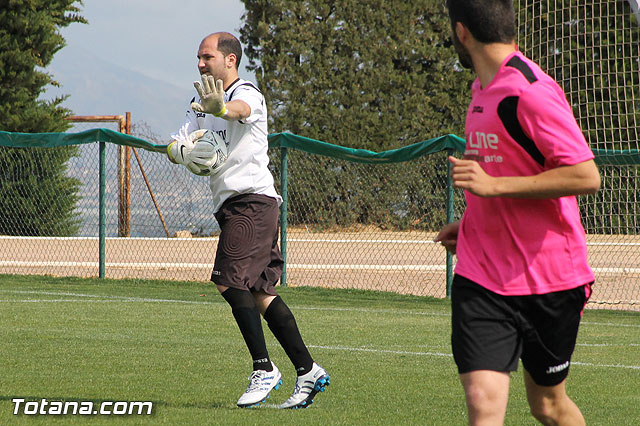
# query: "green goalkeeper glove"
x,y
211,96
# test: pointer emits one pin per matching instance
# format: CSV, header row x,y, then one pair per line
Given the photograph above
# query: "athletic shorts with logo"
x,y
248,256
492,332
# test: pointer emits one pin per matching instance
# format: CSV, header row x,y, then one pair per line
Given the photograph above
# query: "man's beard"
x,y
463,54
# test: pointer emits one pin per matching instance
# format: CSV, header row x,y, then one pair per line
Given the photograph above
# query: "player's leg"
x,y
265,375
486,347
551,405
311,377
486,394
247,316
283,325
550,323
232,271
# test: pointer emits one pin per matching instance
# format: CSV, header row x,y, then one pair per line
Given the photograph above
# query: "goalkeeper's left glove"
x,y
209,152
211,96
178,150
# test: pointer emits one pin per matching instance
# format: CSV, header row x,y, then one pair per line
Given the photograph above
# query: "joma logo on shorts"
x,y
557,368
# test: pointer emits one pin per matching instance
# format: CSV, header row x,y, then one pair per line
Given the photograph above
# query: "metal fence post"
x,y
283,213
102,209
450,196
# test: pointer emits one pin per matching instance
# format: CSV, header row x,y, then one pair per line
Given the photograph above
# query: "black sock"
x,y
247,315
283,325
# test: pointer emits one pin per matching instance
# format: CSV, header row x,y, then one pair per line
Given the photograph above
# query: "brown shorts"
x,y
248,256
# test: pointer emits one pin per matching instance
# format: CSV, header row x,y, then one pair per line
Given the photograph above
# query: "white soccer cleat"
x,y
307,386
261,383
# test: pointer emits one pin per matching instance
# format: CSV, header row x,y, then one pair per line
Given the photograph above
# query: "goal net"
x,y
592,48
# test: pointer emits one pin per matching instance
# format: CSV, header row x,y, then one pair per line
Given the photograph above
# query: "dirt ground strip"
x,y
402,262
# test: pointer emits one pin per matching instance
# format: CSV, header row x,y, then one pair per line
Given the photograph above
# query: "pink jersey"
x,y
520,125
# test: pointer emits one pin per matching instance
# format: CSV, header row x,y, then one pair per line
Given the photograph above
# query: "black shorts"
x,y
248,256
491,331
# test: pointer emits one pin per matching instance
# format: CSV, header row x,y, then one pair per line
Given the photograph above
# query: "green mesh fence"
x,y
592,48
359,219
183,200
400,220
354,218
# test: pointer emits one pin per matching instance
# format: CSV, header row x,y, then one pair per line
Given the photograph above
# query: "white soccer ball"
x,y
208,154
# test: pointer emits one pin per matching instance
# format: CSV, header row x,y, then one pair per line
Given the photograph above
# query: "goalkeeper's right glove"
x,y
178,150
211,94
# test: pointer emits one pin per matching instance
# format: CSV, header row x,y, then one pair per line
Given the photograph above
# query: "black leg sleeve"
x,y
283,325
247,315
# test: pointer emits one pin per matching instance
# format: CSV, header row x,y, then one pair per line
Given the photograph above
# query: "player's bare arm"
x,y
448,236
578,179
237,110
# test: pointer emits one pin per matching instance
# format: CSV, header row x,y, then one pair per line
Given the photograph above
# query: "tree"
x,y
371,74
36,197
592,49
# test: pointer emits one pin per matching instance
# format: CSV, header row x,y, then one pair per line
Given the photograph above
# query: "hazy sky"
x,y
157,38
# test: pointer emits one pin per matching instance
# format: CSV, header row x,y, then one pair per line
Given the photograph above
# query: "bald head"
x,y
226,43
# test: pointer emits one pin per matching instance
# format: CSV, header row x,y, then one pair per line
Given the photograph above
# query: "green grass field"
x,y
176,344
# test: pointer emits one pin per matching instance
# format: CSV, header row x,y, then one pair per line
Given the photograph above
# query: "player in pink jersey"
x,y
522,278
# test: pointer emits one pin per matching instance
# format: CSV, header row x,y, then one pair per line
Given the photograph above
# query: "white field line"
x,y
380,351
105,298
168,265
591,364
204,239
209,239
145,299
309,266
608,345
302,308
137,265
609,324
613,244
302,240
448,355
97,296
349,241
93,298
617,270
369,311
65,301
290,266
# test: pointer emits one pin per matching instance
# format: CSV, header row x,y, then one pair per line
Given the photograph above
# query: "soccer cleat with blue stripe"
x,y
307,386
261,383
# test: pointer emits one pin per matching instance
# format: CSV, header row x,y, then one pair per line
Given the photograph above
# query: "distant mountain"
x,y
98,87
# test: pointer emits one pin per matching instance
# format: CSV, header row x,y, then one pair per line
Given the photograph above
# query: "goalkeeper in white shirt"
x,y
248,262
